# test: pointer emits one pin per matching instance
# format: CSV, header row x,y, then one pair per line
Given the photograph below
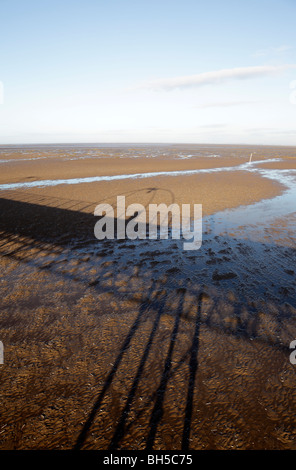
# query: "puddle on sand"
x,y
260,214
250,250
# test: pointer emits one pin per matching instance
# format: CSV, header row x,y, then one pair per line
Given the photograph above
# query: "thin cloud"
x,y
272,130
272,50
216,77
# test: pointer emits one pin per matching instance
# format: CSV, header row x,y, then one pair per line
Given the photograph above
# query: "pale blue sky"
x,y
148,71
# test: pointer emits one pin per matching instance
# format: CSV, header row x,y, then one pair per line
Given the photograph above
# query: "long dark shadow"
x,y
157,411
120,429
193,365
83,434
152,397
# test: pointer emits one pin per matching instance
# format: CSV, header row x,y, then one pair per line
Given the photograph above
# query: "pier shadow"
x,y
64,228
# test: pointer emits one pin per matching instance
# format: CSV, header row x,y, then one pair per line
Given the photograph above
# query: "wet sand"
x,y
134,344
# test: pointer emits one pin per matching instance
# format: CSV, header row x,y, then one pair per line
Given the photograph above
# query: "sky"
x,y
162,71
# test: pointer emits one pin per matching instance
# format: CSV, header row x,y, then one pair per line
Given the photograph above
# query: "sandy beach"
x,y
138,344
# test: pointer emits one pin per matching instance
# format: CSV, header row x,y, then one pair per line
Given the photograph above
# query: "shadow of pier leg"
x,y
193,365
157,411
119,432
83,434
